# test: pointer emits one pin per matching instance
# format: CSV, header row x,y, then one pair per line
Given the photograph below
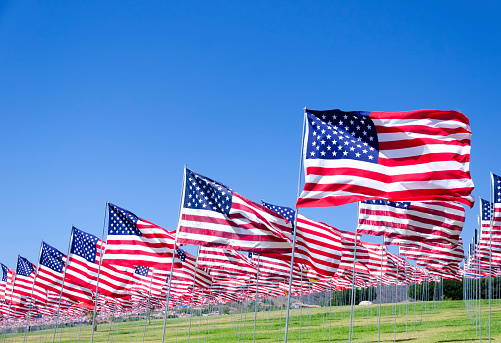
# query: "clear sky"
x,y
107,100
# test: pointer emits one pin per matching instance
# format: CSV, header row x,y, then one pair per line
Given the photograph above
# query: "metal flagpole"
x,y
62,285
490,251
255,307
396,291
352,315
173,256
147,303
294,234
11,298
31,300
380,295
193,296
301,306
98,275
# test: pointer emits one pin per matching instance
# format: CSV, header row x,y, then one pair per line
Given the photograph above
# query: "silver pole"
x,y
380,296
31,300
255,307
62,285
352,315
193,296
147,304
294,236
173,256
490,251
98,275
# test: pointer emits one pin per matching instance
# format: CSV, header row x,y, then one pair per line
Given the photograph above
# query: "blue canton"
x,y
182,254
24,267
84,245
497,188
5,272
51,258
486,209
205,194
395,204
143,271
336,135
122,222
286,212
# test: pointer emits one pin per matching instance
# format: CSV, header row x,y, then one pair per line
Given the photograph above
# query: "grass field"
x,y
448,322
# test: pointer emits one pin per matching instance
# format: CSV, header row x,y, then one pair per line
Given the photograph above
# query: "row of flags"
x,y
408,171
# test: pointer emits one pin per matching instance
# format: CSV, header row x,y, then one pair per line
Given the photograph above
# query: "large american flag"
x,y
214,215
401,221
135,241
400,156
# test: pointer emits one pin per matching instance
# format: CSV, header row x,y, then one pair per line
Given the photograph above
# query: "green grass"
x,y
448,322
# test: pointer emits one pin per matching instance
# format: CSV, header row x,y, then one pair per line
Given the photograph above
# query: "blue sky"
x,y
106,101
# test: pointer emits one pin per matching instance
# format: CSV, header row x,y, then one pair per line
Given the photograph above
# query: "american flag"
x,y
401,221
214,215
83,265
496,188
399,156
189,271
318,245
50,268
490,239
228,260
134,241
24,283
6,283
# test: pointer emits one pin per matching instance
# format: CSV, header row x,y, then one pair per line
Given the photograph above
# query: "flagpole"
x,y
62,284
148,303
12,297
294,229
98,274
31,300
255,306
173,255
352,315
490,251
380,295
193,296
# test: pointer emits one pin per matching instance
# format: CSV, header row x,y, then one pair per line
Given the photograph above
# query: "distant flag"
x,y
135,241
400,156
214,215
496,189
23,286
6,283
401,221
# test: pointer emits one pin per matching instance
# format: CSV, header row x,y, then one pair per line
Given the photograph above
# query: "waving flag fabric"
x,y
434,222
214,215
228,260
50,270
24,283
6,283
318,245
83,265
496,189
134,241
399,156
